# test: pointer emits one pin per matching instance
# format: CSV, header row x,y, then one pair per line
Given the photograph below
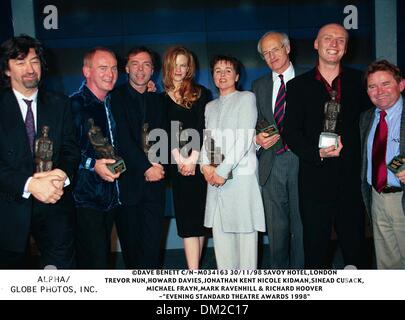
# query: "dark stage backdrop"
x,y
207,27
6,23
401,35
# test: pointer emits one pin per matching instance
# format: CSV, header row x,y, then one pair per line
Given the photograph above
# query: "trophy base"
x,y
271,130
327,139
118,166
44,166
396,164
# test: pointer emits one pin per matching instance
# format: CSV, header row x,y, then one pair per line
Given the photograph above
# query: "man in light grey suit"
x,y
382,132
278,166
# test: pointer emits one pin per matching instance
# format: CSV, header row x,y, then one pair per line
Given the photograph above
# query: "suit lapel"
x,y
13,123
369,122
44,115
365,127
134,112
402,131
268,103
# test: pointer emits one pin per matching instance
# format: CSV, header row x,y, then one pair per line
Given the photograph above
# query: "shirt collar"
x,y
90,95
20,96
396,108
319,76
288,73
135,92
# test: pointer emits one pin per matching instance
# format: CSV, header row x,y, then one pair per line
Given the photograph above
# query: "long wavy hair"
x,y
189,91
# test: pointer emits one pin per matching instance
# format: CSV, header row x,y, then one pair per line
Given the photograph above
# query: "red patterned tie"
x,y
279,110
379,151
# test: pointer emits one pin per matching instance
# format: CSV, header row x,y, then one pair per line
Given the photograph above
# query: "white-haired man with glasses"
x,y
278,166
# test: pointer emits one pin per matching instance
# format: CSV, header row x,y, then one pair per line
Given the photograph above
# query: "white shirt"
x,y
288,74
24,107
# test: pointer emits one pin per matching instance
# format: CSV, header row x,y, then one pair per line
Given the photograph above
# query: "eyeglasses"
x,y
274,51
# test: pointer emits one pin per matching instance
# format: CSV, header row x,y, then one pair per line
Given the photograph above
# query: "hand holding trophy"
x,y
263,126
43,151
147,144
103,149
329,137
397,164
215,155
145,138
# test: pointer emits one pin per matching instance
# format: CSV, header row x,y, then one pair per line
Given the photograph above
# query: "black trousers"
x,y
52,227
139,228
347,216
93,238
12,260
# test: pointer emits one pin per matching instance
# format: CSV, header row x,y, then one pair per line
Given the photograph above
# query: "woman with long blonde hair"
x,y
185,101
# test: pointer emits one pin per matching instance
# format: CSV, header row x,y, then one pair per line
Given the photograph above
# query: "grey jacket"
x,y
366,121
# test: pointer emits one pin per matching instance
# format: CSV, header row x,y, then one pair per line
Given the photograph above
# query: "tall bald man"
x,y
329,178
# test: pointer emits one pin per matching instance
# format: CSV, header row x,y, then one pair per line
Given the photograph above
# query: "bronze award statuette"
x,y
215,155
43,151
145,138
396,164
182,141
147,144
329,137
264,126
103,149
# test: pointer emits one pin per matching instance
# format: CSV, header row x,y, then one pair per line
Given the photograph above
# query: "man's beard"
x,y
30,84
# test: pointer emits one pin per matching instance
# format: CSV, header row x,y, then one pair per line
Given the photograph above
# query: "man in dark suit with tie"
x,y
329,178
278,166
36,203
142,188
382,138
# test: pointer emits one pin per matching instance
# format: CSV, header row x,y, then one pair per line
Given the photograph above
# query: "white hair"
x,y
285,40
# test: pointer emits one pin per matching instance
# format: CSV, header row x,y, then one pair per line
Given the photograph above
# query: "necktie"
x,y
279,111
30,124
379,166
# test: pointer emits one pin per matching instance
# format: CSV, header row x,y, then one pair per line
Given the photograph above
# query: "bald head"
x,y
332,26
331,44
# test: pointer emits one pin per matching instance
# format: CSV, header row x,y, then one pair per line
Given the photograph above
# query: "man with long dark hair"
x,y
38,203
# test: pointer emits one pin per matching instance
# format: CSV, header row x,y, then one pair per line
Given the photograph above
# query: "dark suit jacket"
x,y
263,89
17,163
131,110
366,121
325,180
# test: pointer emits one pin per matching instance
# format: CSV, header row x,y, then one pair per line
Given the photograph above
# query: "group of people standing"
x,y
281,182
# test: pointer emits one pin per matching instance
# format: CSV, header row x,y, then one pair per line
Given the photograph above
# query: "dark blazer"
x,y
131,110
91,191
303,123
17,164
263,89
366,121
